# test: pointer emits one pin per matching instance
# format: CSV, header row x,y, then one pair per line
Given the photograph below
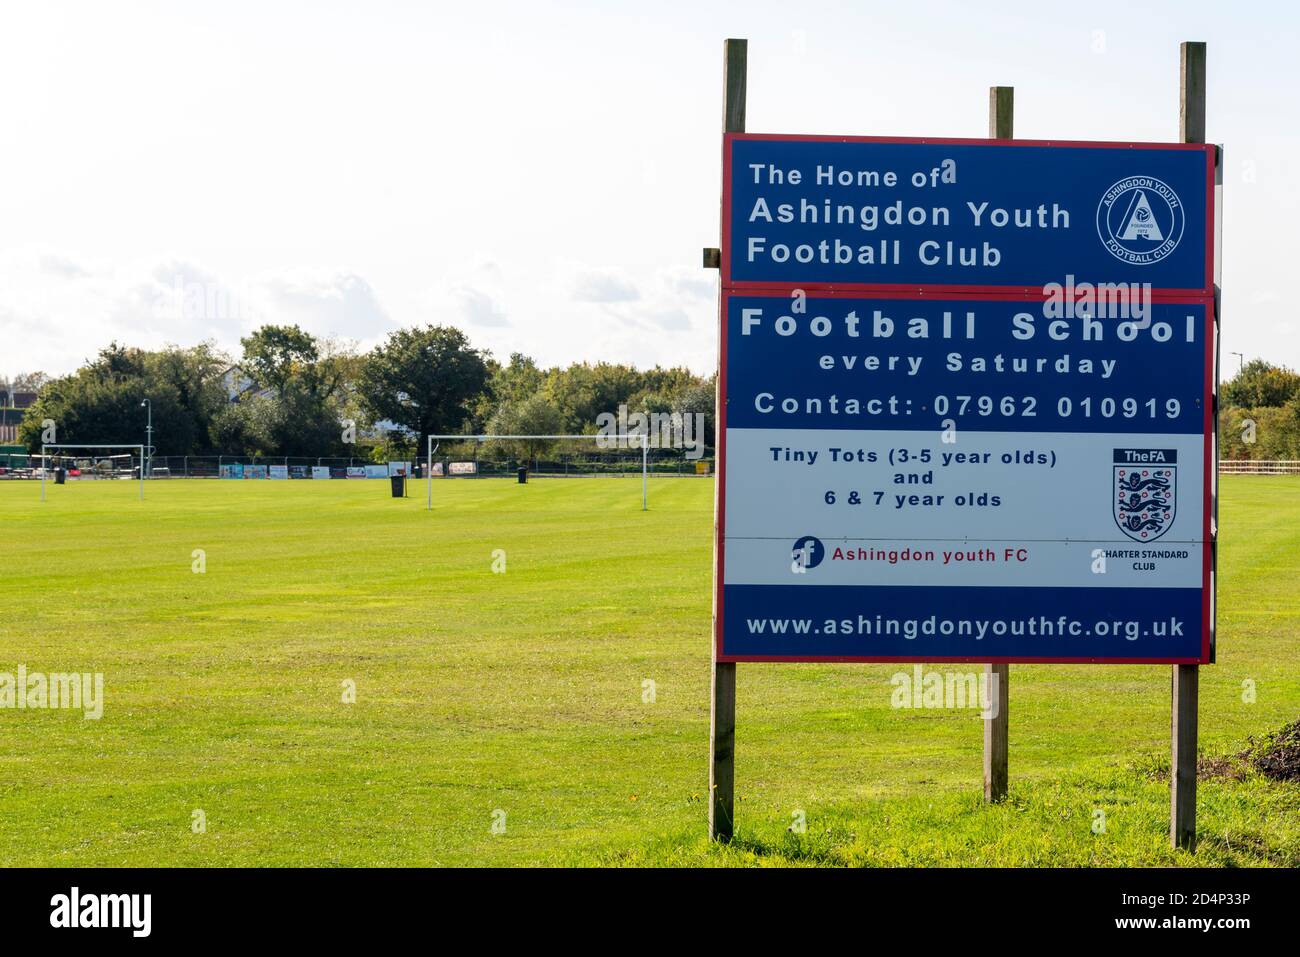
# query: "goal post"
x,y
640,439
94,454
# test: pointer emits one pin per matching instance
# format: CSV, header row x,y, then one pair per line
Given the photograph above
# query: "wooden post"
x,y
1185,678
998,677
722,718
1191,86
1182,758
722,737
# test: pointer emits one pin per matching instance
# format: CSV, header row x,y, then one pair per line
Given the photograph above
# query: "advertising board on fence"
x,y
320,471
985,432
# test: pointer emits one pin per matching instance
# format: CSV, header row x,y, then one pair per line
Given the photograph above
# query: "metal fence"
x,y
576,464
1259,467
209,466
663,462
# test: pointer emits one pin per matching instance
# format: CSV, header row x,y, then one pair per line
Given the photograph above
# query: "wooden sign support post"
x,y
1182,752
998,677
722,720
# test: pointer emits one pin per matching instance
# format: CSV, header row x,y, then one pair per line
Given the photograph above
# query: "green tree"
x,y
518,380
1261,383
276,357
231,431
699,398
193,375
534,415
301,394
425,379
512,382
1268,432
583,391
100,403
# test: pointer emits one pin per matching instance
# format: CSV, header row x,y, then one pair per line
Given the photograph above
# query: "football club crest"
x,y
807,553
1145,492
1140,220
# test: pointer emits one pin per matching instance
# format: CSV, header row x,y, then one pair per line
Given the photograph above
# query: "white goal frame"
x,y
430,448
45,460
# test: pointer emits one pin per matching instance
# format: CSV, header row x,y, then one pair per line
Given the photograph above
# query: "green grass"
x,y
523,692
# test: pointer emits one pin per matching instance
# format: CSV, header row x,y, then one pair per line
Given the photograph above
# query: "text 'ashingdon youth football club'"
x,y
960,207
1131,198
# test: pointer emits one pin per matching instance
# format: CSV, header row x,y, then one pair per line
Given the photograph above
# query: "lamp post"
x,y
1241,360
146,466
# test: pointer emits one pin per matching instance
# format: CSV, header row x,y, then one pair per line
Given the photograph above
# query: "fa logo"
x,y
1145,492
1140,220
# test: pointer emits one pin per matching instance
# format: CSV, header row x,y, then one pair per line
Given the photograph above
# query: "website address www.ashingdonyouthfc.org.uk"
x,y
1039,626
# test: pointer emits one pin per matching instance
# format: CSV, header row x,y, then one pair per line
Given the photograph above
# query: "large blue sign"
x,y
971,214
964,478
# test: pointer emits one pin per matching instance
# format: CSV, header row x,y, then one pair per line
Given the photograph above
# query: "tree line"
x,y
1259,414
290,393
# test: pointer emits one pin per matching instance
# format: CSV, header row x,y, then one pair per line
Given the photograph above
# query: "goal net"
x,y
60,464
543,456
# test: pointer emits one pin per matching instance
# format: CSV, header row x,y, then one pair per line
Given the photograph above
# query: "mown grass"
x,y
523,692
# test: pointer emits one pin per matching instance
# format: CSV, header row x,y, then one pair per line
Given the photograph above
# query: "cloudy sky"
x,y
541,174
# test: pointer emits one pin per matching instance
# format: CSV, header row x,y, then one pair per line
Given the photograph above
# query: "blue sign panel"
x,y
967,214
989,365
964,478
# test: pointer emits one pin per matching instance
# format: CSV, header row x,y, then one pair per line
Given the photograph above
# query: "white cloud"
x,y
324,302
674,320
179,302
62,312
63,267
603,285
695,285
477,308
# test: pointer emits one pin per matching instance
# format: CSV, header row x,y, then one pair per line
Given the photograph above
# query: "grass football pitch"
x,y
504,717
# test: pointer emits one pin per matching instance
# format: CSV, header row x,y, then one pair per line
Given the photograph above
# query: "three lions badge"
x,y
1145,492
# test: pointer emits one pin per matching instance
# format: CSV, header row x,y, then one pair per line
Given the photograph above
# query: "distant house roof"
x,y
239,384
16,400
